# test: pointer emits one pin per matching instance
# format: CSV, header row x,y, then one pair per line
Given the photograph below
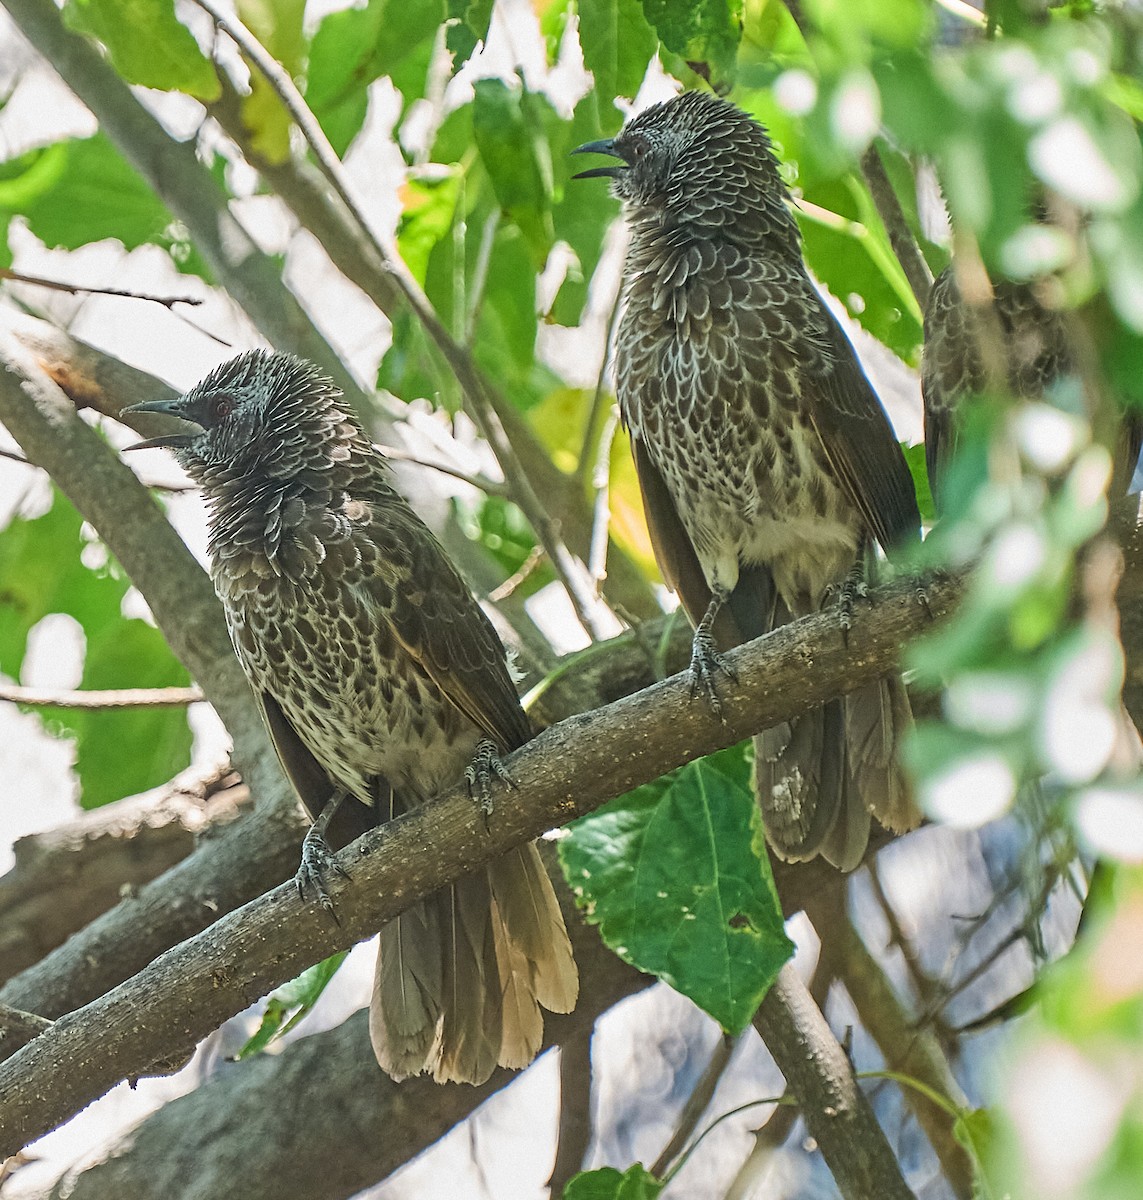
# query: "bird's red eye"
x,y
221,407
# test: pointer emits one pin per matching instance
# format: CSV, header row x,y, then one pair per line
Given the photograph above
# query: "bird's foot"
x,y
706,662
851,589
479,774
317,865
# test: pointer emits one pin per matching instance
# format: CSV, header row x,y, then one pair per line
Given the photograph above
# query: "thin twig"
x,y
893,218
491,487
56,285
110,698
13,456
587,455
594,615
601,517
697,1103
574,1138
480,273
535,555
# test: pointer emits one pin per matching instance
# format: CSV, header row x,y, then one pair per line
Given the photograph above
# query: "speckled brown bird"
x,y
381,681
767,465
1038,351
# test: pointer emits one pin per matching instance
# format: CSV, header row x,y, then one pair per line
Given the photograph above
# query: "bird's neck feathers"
x,y
290,481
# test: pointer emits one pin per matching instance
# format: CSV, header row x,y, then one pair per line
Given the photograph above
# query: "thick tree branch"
x,y
64,877
835,1108
568,770
361,1125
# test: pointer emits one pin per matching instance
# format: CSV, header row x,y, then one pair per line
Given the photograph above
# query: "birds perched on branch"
x,y
381,682
767,465
1037,349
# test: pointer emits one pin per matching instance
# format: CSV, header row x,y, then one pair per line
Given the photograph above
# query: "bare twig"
x,y
74,288
118,698
574,1138
491,487
697,1103
588,455
535,557
601,482
893,218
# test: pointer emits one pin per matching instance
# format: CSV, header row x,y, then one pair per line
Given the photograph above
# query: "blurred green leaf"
x,y
158,740
509,127
677,877
119,752
617,43
82,190
147,44
470,19
606,1183
854,260
704,34
501,528
356,46
277,24
915,457
289,1004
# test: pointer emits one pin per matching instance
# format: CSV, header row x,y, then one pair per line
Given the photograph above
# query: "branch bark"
x,y
836,1110
568,770
364,1125
63,877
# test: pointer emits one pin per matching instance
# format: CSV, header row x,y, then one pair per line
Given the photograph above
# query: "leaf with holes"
x,y
677,878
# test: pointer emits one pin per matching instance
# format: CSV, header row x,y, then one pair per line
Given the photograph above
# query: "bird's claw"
x,y
480,772
317,865
706,662
851,589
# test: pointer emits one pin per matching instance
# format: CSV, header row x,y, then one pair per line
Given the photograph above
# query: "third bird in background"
x,y
767,465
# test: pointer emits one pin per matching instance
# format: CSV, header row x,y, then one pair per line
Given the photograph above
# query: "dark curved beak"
x,y
166,408
606,146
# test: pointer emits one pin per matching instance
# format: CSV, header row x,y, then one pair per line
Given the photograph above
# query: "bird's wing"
x,y
862,448
950,370
805,343
673,549
437,621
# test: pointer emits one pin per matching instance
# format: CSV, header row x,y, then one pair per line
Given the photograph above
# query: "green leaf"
x,y
676,875
289,1004
915,457
428,209
470,20
636,1183
508,124
584,208
42,573
147,44
848,250
85,191
618,43
356,46
278,26
705,34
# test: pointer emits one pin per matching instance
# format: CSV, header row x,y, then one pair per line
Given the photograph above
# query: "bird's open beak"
x,y
606,146
167,408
